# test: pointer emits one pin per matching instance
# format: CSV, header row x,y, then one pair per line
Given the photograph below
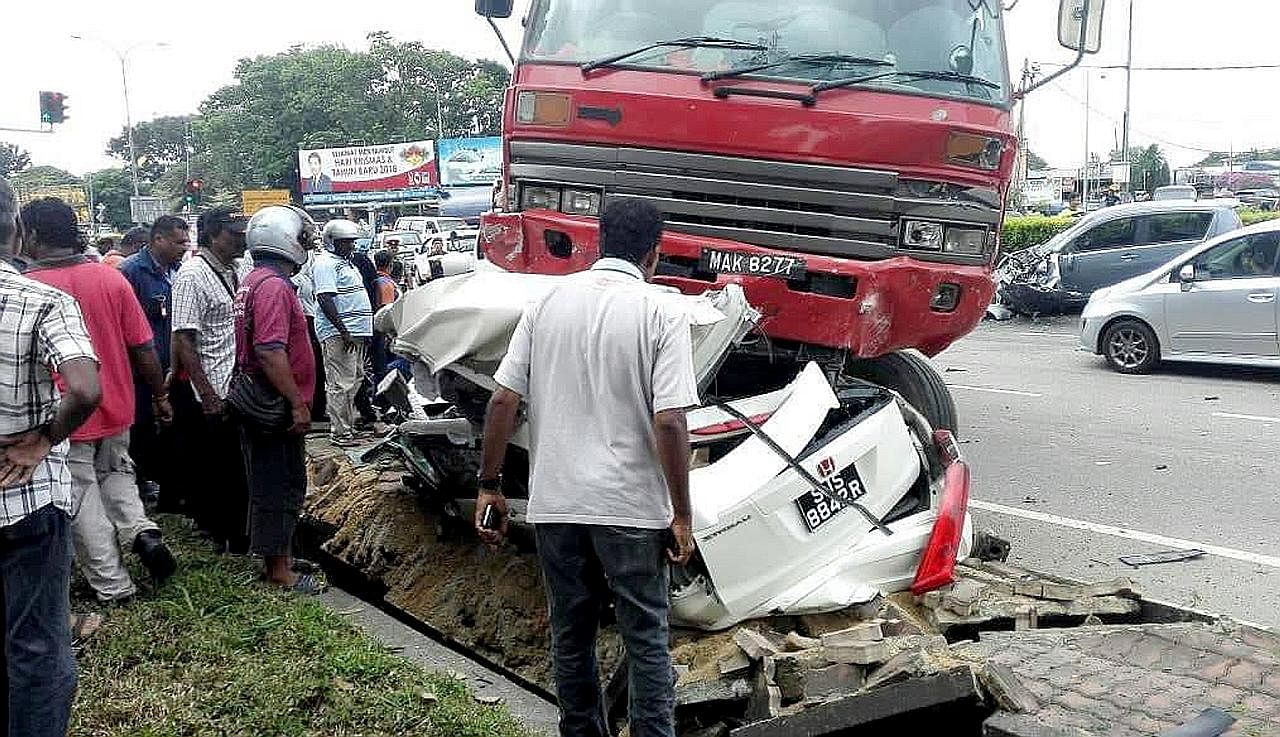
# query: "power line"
x,y
1146,134
1136,68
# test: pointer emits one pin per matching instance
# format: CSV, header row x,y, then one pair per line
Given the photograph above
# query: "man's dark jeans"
x,y
35,572
582,565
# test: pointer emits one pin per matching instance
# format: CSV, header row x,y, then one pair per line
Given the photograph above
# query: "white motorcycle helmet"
x,y
340,230
282,231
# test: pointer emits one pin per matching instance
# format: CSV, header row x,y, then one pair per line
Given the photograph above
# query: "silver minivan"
x,y
1217,303
1104,248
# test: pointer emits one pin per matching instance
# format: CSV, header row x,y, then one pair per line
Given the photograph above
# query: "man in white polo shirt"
x,y
204,354
605,365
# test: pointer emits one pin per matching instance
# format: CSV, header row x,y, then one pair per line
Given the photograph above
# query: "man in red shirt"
x,y
106,502
273,348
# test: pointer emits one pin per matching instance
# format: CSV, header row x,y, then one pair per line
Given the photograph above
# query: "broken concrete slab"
x,y
702,692
795,642
1005,724
839,715
789,677
902,667
963,597
823,683
765,701
754,644
857,653
1006,689
735,664
855,635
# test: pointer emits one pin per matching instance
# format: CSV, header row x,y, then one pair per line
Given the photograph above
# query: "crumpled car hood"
x,y
469,319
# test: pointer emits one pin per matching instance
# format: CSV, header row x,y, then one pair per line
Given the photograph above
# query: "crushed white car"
x,y
806,499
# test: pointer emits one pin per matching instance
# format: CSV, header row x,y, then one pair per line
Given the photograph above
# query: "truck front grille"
x,y
829,210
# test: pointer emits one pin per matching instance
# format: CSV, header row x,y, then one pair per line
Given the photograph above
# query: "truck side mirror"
x,y
494,8
1187,275
1072,14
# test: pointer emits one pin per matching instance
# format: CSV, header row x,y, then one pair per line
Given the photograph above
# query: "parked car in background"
x,y
441,234
1175,192
1217,303
1105,248
1262,199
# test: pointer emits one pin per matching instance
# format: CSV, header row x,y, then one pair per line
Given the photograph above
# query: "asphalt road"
x,y
1078,465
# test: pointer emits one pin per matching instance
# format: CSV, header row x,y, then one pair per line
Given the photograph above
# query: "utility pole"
x,y
1027,77
1084,180
123,56
1128,88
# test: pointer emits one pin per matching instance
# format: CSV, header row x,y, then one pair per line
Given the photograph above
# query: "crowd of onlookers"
x,y
159,374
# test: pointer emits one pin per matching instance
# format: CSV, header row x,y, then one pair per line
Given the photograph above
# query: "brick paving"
x,y
1138,680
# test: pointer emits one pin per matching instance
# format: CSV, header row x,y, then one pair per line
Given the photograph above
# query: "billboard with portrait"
x,y
408,165
467,162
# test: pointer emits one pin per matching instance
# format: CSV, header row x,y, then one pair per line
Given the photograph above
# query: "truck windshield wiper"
x,y
691,42
906,75
832,59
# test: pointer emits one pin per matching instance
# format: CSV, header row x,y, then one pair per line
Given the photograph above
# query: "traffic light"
x,y
53,107
195,187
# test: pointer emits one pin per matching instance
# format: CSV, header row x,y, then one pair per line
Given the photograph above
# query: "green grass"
x,y
214,652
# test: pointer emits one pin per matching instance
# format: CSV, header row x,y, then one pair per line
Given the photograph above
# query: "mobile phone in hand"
x,y
491,518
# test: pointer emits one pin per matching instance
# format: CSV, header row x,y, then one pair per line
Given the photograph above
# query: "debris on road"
x,y
998,312
1000,639
1162,556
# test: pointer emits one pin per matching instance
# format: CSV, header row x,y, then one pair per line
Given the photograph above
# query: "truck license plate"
x,y
731,262
816,509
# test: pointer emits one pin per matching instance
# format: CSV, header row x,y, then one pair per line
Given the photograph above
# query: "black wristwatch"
x,y
493,484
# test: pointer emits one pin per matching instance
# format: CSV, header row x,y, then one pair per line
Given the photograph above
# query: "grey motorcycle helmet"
x,y
282,231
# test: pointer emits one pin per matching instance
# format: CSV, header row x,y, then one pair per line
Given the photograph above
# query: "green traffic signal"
x,y
53,107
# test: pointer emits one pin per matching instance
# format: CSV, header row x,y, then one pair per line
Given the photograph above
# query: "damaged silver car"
x,y
807,496
1105,248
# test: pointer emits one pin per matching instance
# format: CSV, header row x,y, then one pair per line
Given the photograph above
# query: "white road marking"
x,y
1127,534
1073,336
1254,418
992,390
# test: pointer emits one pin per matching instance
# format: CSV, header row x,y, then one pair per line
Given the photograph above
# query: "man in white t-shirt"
x,y
605,365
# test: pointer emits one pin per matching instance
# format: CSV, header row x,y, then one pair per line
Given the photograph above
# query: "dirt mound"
x,y
490,601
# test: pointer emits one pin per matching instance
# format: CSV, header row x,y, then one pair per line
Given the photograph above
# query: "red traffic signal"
x,y
194,186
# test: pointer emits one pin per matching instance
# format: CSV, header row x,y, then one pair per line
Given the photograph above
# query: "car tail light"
x,y
938,565
721,428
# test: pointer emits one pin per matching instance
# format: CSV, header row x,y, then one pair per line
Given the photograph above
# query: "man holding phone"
x,y
605,365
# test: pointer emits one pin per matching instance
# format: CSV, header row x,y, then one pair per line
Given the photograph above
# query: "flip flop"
x,y
302,565
84,625
309,585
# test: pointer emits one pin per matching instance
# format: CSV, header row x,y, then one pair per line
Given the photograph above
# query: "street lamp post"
x,y
435,84
123,56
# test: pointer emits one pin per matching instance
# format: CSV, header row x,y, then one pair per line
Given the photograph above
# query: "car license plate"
x,y
752,264
817,509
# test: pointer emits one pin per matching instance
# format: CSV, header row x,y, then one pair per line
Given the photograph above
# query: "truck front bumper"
x,y
869,308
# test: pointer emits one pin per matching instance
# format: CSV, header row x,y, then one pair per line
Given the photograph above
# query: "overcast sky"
x,y
1182,111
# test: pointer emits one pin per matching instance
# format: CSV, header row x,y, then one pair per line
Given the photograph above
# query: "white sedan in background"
x,y
1217,303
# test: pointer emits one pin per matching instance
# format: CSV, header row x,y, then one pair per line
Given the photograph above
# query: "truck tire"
x,y
911,375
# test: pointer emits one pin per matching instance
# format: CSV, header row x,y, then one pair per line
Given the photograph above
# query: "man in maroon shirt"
x,y
108,510
274,347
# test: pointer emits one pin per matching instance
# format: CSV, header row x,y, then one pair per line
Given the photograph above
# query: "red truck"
x,y
845,161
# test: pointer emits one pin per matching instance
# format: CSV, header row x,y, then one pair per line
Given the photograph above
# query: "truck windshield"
x,y
965,36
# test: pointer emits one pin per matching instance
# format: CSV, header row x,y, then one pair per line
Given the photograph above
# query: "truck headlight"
x,y
922,235
580,202
965,241
539,198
